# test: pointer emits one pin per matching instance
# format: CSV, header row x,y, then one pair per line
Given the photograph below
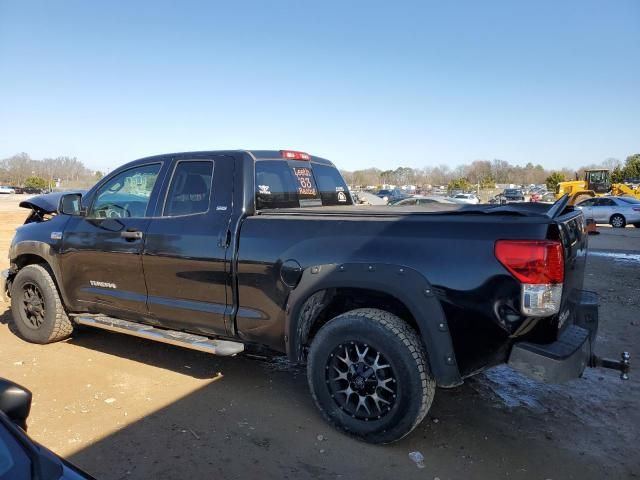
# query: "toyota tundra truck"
x,y
236,251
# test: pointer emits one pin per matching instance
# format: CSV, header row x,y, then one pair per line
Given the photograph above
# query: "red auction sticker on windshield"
x,y
306,184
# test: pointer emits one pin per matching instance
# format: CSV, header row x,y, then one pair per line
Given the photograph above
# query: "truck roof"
x,y
255,154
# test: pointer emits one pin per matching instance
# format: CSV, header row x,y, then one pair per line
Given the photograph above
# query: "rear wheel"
x,y
369,376
37,311
618,221
637,225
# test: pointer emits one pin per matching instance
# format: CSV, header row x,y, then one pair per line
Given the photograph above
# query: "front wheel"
x,y
369,376
36,308
618,221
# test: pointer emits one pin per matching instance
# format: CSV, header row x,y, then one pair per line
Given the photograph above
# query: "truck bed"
x,y
520,209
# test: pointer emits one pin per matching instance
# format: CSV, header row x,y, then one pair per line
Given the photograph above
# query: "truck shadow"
x,y
181,360
5,317
259,421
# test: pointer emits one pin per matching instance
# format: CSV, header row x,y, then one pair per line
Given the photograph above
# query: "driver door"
x,y
101,257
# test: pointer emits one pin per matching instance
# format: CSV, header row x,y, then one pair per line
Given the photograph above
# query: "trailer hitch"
x,y
623,365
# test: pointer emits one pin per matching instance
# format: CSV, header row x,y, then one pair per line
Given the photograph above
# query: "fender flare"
x,y
405,284
47,253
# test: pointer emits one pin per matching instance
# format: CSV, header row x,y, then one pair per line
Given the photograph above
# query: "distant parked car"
x,y
34,191
367,198
6,190
616,211
548,197
513,195
465,198
498,199
17,189
392,196
421,200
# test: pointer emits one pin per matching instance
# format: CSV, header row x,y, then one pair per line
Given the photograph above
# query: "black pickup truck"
x,y
232,251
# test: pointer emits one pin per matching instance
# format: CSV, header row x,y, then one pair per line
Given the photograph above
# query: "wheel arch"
x,y
325,290
34,252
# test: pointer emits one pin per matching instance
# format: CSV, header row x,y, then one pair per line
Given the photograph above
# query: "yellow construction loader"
x,y
595,183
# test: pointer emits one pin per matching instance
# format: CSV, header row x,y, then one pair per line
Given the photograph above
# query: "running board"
x,y
172,337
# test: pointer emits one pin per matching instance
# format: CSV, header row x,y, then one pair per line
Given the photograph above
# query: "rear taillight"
x,y
539,266
532,261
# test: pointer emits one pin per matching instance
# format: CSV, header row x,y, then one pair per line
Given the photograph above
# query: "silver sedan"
x,y
616,211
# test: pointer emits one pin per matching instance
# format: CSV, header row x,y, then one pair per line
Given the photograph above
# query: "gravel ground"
x,y
124,408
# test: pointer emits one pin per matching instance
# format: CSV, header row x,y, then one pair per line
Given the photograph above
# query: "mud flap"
x,y
5,284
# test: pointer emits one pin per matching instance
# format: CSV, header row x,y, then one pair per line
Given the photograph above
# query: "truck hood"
x,y
47,203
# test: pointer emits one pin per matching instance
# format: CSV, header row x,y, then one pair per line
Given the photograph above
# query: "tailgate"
x,y
570,229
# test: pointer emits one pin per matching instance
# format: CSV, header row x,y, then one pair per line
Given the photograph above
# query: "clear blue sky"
x,y
363,83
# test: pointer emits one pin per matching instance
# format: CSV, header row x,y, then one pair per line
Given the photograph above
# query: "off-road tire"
x,y
618,221
55,324
403,350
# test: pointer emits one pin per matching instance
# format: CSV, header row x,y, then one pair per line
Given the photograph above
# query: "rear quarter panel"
x,y
454,254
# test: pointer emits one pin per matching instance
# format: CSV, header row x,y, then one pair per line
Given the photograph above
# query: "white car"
x,y
616,211
465,198
4,189
422,200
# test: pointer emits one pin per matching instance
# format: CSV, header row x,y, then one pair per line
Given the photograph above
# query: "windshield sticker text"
x,y
306,185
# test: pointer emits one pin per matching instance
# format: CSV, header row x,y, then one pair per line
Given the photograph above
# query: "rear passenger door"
x,y
603,209
185,252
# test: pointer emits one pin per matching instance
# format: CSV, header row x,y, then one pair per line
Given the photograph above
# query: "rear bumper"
x,y
556,362
567,357
4,285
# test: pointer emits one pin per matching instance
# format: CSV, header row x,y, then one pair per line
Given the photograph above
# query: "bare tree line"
x,y
482,172
16,169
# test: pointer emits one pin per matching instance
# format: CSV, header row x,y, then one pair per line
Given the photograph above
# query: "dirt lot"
x,y
125,408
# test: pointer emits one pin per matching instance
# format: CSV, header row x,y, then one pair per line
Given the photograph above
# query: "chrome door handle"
x,y
131,235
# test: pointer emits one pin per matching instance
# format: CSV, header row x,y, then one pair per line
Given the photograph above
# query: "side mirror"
x,y
71,204
15,402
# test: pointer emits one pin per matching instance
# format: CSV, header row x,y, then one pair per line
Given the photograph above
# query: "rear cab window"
x,y
294,183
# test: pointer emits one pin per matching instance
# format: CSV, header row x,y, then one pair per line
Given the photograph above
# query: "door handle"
x,y
131,235
224,240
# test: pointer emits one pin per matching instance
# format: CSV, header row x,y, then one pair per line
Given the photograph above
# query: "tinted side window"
x,y
190,189
605,202
587,203
125,195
